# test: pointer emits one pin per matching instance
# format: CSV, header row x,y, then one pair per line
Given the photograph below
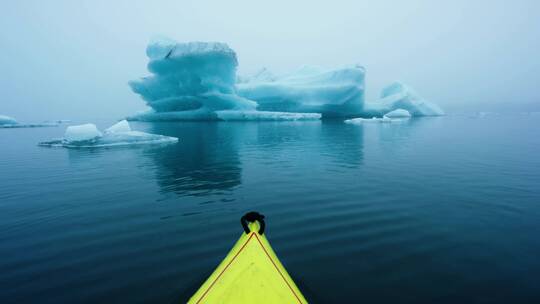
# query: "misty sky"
x,y
73,59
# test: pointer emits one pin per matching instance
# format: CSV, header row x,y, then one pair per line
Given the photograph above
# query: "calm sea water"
x,y
439,210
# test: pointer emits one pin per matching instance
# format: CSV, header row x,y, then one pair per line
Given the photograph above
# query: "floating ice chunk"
x,y
338,92
84,132
229,115
121,126
357,121
384,119
130,138
400,96
398,113
120,134
10,122
6,120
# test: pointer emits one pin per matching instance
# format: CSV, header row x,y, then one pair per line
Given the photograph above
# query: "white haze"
x,y
72,59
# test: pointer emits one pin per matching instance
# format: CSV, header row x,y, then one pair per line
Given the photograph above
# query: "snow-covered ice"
x,y
120,134
198,81
84,132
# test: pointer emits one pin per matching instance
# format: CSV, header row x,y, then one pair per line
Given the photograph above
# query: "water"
x,y
439,210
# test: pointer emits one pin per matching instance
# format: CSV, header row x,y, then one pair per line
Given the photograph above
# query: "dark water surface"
x,y
441,210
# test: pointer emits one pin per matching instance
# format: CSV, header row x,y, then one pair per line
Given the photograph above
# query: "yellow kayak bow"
x,y
250,273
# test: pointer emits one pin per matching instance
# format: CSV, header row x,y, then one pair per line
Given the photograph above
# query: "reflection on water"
x,y
208,158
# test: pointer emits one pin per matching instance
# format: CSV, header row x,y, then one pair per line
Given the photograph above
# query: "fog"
x,y
73,59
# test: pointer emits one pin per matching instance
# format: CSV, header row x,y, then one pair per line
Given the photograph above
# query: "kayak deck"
x,y
250,273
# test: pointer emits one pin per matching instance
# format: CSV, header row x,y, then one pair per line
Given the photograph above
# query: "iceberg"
x,y
398,113
10,122
400,96
191,81
120,134
7,121
198,81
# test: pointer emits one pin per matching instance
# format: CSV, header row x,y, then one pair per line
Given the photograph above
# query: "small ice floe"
x,y
10,122
358,121
120,134
398,113
395,116
86,132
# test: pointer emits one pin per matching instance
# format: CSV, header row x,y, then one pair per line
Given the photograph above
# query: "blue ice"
x,y
198,81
